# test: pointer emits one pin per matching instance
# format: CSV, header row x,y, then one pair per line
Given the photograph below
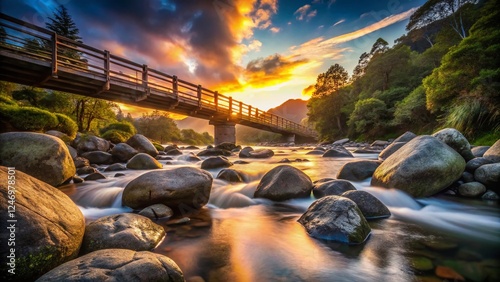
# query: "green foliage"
x,y
412,110
31,95
115,136
158,126
392,95
7,100
28,118
191,137
66,125
124,126
368,117
486,139
332,80
62,24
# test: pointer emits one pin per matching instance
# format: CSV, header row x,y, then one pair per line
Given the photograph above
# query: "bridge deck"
x,y
35,56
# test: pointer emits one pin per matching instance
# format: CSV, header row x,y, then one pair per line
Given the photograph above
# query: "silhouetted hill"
x,y
293,109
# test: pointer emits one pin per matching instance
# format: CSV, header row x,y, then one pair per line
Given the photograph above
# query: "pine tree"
x,y
62,24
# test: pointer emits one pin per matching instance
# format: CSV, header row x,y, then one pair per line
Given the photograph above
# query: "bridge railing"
x,y
28,40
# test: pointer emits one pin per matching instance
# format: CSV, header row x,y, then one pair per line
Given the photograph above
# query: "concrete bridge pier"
x,y
224,132
288,138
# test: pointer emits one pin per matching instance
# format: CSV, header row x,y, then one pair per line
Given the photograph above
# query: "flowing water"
x,y
239,238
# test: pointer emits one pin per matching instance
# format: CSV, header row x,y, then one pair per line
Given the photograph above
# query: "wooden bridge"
x,y
36,56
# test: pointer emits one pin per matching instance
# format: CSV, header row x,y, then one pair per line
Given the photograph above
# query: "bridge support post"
x,y
224,132
288,138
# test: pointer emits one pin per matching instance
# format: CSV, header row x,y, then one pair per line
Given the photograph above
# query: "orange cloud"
x,y
308,91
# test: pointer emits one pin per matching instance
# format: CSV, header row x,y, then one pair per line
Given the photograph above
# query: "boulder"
x,y
98,157
72,151
42,156
467,177
357,170
228,146
122,231
191,157
49,227
341,142
143,161
261,153
122,152
471,189
81,162
489,175
88,143
422,167
94,176
142,144
338,152
405,137
117,265
58,134
216,162
321,180
389,150
116,167
478,151
475,163
319,148
232,175
379,143
191,147
157,211
214,152
455,139
369,205
336,218
493,153
282,183
85,170
173,152
490,196
181,188
332,187
245,152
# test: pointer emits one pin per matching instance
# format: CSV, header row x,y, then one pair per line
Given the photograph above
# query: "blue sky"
x,y
261,52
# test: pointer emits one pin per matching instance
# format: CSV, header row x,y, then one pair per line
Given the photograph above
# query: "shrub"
x,y
115,136
7,101
29,118
66,125
158,146
124,126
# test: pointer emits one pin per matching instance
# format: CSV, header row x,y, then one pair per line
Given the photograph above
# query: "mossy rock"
x,y
28,118
115,136
421,264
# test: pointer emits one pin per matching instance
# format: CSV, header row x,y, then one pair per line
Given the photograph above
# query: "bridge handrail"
x,y
111,66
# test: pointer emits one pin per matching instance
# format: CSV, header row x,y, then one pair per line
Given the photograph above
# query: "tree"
x,y
332,80
464,89
62,24
90,113
380,46
158,126
434,10
368,117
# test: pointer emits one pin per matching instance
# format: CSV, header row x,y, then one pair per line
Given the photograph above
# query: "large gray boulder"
x,y
181,188
117,265
233,175
421,168
338,152
42,156
122,231
471,189
249,152
98,157
455,139
357,170
216,162
282,183
157,211
332,187
475,163
143,161
489,175
142,144
48,230
493,153
479,151
122,152
369,205
214,152
87,143
336,218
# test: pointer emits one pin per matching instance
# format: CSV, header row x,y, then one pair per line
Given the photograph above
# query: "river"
x,y
239,238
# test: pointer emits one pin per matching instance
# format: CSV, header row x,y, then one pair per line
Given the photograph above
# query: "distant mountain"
x,y
293,109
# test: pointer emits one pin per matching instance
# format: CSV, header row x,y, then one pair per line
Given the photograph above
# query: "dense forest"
x,y
445,72
35,109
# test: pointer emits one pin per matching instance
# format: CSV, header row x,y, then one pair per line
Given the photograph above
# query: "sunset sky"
x,y
260,52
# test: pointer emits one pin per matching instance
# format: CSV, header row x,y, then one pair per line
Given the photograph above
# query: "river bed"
x,y
239,238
